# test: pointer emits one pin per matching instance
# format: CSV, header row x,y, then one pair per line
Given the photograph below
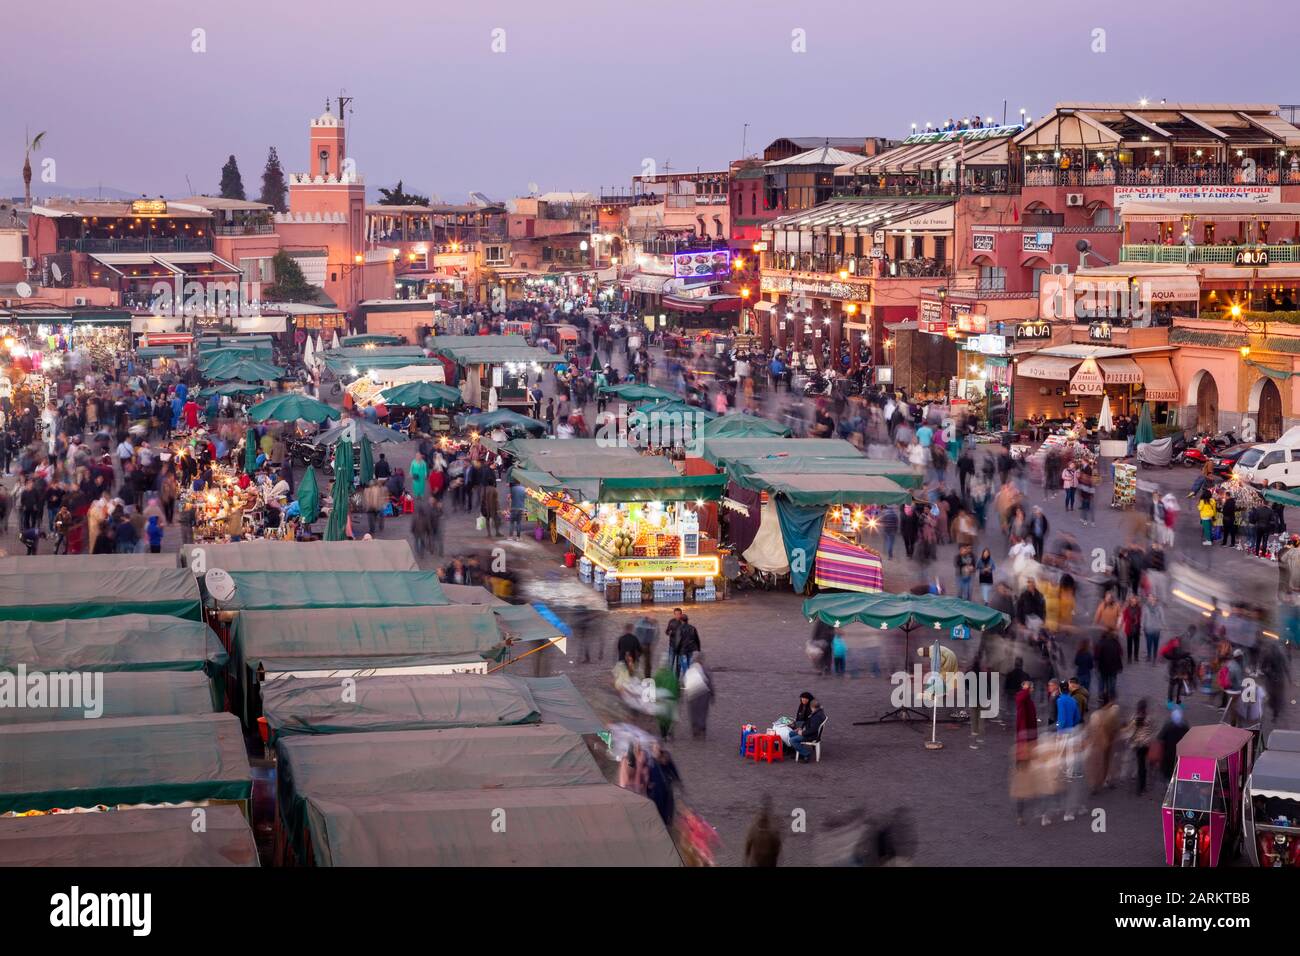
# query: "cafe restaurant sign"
x,y
1248,194
1088,380
1249,258
934,317
1033,330
149,207
1036,242
831,289
983,241
1099,332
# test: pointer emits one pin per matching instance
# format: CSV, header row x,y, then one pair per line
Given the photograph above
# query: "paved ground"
x,y
958,796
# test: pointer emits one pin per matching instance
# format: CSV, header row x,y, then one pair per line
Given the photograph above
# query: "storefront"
x,y
1066,381
818,316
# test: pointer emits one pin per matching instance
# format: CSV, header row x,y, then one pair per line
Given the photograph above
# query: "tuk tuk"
x,y
1271,808
1203,805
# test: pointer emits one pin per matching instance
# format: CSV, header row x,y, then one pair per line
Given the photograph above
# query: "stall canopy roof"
x,y
41,596
283,590
490,349
900,610
588,825
1212,211
900,473
1276,774
264,555
425,702
123,642
341,364
740,425
719,451
83,563
169,759
827,489
155,837
1054,367
133,694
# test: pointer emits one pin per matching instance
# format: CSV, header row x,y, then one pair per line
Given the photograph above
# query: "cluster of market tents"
x,y
368,680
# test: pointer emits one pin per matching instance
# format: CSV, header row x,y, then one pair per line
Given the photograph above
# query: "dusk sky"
x,y
586,89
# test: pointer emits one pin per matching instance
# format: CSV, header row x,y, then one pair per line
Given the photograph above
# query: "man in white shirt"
x,y
125,451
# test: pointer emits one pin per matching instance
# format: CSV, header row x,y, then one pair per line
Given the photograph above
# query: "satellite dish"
x,y
56,272
220,584
23,289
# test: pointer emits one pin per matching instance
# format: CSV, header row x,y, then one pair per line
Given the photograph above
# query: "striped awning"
x,y
1159,384
1120,370
1054,367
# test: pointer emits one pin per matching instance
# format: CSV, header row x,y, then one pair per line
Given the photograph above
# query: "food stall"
x,y
633,519
215,505
493,371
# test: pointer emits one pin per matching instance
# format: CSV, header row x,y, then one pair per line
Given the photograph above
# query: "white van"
x,y
1274,465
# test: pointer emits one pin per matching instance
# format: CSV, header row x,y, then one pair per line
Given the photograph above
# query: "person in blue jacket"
x,y
1064,708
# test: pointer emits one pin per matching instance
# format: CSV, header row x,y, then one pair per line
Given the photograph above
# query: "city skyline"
x,y
437,108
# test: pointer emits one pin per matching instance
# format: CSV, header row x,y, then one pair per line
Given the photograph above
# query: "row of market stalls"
x,y
444,742
119,639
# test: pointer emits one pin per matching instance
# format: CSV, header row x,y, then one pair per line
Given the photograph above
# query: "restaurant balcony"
x,y
870,188
246,229
691,200
1164,174
1206,254
967,289
860,267
668,247
136,244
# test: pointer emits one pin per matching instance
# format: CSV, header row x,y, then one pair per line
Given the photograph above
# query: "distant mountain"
x,y
12,186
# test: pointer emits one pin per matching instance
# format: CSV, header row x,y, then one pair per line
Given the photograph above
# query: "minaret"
x,y
327,152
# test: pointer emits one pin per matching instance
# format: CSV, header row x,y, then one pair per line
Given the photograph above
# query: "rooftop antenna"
x,y
744,140
343,101
189,185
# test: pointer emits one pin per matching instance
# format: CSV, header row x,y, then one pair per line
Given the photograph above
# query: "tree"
x,y
290,284
273,187
399,197
232,184
33,145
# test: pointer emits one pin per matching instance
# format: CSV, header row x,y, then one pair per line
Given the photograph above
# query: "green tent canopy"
x,y
340,493
1278,496
133,694
232,388
420,394
250,451
156,837
830,489
268,554
88,763
720,451
352,429
510,421
636,392
308,497
674,488
741,425
359,639
124,642
588,825
292,406
46,596
884,611
284,590
245,370
365,461
900,473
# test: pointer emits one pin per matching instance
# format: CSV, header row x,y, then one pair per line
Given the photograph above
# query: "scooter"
x,y
819,384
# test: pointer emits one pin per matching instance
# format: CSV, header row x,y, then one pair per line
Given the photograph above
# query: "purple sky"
x,y
586,88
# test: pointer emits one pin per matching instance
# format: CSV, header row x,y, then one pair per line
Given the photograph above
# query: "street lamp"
x,y
1245,351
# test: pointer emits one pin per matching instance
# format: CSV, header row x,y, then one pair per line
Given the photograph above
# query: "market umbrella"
x,y
908,612
246,370
250,452
677,407
352,429
231,388
419,394
337,528
335,344
486,421
1104,420
291,406
636,392
307,353
741,425
1145,433
371,339
309,497
366,457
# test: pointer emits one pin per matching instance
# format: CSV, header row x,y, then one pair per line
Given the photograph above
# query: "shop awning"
x,y
123,642
676,488
132,694
1159,384
1120,370
1278,496
821,489
764,306
1054,367
46,596
283,590
720,303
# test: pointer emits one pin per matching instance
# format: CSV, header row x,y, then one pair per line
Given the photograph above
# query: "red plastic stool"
x,y
769,748
751,747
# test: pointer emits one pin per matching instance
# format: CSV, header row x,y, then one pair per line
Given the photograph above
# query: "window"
x,y
753,202
1104,217
257,269
918,247
1273,458
1038,275
494,254
940,249
898,248
992,279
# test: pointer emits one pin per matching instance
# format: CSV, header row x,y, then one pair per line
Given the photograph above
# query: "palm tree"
x,y
397,196
33,144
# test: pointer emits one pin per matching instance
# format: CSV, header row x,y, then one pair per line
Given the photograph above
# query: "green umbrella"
x,y
291,406
419,394
510,421
636,392
337,529
366,457
309,497
232,388
1145,433
250,452
350,429
247,370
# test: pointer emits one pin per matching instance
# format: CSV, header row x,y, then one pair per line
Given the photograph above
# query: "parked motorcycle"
x,y
819,384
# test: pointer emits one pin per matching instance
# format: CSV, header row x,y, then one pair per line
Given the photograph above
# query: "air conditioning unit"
x,y
1074,199
1060,268
80,300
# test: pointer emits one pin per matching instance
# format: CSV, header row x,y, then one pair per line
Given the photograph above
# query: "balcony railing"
x,y
247,229
861,267
141,244
1188,255
668,247
921,189
1168,174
